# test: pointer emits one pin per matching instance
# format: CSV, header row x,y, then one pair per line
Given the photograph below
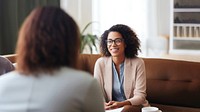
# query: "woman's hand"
x,y
115,104
112,105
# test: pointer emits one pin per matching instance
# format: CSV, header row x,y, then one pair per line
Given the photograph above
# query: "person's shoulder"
x,y
139,59
4,60
6,63
9,76
103,59
136,60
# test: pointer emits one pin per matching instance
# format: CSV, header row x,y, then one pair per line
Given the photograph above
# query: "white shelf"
x,y
187,38
186,9
185,51
184,27
187,24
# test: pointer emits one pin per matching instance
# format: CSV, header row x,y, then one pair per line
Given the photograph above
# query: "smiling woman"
x,y
120,72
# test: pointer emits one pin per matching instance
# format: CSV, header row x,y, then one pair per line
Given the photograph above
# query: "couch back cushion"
x,y
86,62
173,82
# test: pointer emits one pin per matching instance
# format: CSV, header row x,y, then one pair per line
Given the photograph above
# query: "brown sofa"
x,y
172,85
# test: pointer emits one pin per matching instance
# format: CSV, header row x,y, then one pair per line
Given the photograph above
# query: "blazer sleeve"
x,y
98,74
139,89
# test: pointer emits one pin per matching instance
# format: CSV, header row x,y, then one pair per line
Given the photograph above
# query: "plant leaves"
x,y
88,39
86,27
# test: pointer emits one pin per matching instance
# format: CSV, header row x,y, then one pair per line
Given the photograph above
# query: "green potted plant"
x,y
88,39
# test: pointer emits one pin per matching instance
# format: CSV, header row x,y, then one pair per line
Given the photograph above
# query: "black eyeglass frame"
x,y
117,41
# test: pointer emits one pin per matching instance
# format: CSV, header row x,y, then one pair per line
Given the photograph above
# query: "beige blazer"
x,y
134,79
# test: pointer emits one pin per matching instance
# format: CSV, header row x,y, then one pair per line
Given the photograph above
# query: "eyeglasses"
x,y
117,41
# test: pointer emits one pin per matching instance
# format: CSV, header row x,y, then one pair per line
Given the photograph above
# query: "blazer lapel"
x,y
127,78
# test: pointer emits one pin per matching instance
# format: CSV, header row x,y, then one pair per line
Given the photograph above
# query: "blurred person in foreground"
x,y
5,65
120,72
46,79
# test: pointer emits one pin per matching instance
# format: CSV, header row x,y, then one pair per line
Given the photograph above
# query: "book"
x,y
115,110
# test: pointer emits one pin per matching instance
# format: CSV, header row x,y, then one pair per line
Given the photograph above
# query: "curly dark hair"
x,y
45,41
130,38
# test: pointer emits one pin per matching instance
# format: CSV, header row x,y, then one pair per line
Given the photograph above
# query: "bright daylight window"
x,y
130,12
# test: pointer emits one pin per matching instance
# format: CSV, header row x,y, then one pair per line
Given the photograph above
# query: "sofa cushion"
x,y
173,82
86,62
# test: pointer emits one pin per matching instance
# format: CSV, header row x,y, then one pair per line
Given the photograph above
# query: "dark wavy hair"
x,y
130,38
48,40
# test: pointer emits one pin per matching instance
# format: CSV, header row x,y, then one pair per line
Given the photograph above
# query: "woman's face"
x,y
115,44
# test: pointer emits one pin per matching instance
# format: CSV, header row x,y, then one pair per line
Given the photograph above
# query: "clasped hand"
x,y
113,105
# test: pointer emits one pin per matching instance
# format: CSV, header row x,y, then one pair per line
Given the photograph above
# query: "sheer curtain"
x,y
130,12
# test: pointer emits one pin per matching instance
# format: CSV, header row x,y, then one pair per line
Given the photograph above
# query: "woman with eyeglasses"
x,y
120,72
